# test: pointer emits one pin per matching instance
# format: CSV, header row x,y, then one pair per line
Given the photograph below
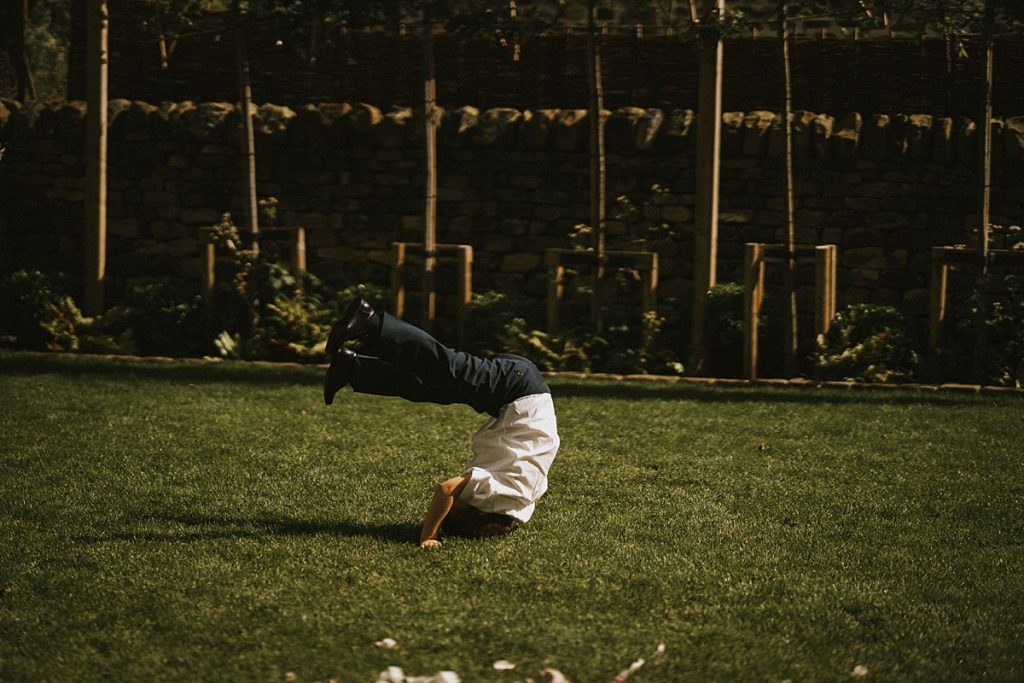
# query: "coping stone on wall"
x,y
898,137
535,129
5,116
803,133
732,133
570,129
71,124
846,137
965,130
756,130
823,124
272,120
942,141
457,124
1013,140
135,122
115,109
677,132
632,129
361,122
393,127
497,127
919,137
876,137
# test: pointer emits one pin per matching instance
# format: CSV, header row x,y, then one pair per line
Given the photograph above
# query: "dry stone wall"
x,y
512,183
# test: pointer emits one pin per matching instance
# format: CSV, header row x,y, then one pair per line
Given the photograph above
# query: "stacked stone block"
x,y
512,183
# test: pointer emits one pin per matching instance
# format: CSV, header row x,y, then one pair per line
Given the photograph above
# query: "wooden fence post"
x,y
556,288
650,280
753,295
398,279
299,251
825,291
937,309
464,285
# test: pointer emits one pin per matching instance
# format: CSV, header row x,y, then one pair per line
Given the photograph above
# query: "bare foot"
x,y
430,543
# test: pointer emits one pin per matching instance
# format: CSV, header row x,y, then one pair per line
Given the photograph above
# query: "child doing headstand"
x,y
512,453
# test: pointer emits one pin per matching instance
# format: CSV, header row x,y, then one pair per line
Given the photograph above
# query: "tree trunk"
x,y
597,166
787,115
430,175
709,149
248,139
985,195
96,157
19,54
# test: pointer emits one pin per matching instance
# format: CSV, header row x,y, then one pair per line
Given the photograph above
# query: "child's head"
x,y
466,521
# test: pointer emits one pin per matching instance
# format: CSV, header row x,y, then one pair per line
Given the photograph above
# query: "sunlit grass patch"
x,y
185,521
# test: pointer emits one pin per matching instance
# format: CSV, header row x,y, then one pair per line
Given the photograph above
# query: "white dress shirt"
x,y
512,454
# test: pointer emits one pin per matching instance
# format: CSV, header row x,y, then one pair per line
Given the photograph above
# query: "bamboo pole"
x,y
985,196
430,174
787,116
709,146
248,140
96,157
597,165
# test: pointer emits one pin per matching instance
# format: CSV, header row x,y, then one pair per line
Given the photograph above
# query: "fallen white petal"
x,y
859,671
393,674
447,677
290,676
387,643
554,675
504,665
625,673
660,649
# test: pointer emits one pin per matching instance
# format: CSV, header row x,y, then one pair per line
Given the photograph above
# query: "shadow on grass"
x,y
184,370
195,528
196,371
706,393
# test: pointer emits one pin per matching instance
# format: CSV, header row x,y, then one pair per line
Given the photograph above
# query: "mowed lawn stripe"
x,y
181,520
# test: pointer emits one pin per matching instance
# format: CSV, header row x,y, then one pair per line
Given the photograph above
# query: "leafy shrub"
x,y
166,318
36,313
1004,349
723,329
493,323
867,343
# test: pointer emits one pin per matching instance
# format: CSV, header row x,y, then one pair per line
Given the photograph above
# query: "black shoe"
x,y
338,374
357,323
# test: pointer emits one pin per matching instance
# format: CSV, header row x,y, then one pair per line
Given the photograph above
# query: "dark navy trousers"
x,y
405,361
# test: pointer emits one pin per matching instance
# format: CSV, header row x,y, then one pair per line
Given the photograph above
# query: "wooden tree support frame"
x,y
208,247
459,254
942,259
756,256
558,259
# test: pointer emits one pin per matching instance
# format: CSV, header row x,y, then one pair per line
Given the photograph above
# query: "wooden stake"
x,y
825,289
709,147
753,296
597,165
430,174
938,284
985,198
790,217
556,289
96,158
398,279
248,139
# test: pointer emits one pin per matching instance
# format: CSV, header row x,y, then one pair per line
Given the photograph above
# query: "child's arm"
x,y
444,497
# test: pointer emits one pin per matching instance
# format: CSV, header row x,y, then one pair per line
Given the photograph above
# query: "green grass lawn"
x,y
187,521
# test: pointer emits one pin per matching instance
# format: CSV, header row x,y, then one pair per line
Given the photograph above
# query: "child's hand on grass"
x,y
430,543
